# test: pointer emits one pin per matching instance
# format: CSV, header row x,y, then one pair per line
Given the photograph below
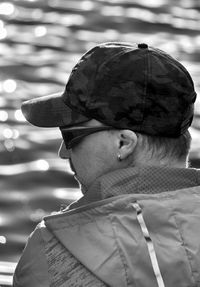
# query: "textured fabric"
x,y
144,179
123,85
32,269
148,180
133,87
150,245
100,243
64,269
107,238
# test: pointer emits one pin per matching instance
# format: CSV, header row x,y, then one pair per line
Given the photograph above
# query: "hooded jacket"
x,y
135,227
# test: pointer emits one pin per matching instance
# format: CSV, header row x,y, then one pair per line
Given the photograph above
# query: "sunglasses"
x,y
74,135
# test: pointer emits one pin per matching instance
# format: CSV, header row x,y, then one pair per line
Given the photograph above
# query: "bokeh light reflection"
x,y
37,215
9,85
2,239
87,5
15,133
67,193
42,165
40,31
3,116
19,116
3,31
7,133
9,145
7,8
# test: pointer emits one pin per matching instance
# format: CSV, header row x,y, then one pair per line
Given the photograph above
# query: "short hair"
x,y
165,147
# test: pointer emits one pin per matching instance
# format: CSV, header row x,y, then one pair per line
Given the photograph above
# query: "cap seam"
x,y
122,51
180,66
146,59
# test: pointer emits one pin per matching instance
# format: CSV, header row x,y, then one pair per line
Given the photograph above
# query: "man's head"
x,y
132,88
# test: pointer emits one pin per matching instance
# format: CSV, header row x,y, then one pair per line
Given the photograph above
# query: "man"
x,y
124,118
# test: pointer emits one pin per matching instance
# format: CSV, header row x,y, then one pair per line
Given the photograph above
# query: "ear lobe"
x,y
128,142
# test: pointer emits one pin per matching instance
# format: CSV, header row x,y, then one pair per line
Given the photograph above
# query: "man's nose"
x,y
63,152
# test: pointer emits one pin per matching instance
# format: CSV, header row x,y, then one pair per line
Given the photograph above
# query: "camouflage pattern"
x,y
50,111
125,86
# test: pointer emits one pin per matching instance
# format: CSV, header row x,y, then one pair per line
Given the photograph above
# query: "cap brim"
x,y
51,111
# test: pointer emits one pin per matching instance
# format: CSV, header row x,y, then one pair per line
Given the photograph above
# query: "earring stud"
x,y
119,157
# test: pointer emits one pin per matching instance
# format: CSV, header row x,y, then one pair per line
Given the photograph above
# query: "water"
x,y
40,41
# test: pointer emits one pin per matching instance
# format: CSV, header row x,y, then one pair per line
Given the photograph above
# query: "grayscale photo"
x,y
100,143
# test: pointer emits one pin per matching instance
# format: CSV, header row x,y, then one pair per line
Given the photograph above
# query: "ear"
x,y
127,143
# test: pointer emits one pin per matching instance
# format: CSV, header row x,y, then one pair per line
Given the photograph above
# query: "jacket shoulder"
x,y
32,268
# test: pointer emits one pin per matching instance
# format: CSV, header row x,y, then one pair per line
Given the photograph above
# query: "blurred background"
x,y
40,42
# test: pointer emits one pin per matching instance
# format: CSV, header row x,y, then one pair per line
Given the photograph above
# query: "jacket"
x,y
135,227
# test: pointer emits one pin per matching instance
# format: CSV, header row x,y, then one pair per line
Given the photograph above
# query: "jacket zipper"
x,y
150,245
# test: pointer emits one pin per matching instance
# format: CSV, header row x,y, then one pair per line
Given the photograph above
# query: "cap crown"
x,y
134,87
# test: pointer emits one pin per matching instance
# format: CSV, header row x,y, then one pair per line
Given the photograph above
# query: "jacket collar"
x,y
143,179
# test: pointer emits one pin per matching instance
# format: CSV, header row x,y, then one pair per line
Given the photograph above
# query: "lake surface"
x,y
40,42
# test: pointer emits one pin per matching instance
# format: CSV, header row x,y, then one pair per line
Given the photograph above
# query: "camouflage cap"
x,y
127,86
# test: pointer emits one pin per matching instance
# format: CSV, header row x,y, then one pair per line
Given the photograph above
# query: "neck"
x,y
141,160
